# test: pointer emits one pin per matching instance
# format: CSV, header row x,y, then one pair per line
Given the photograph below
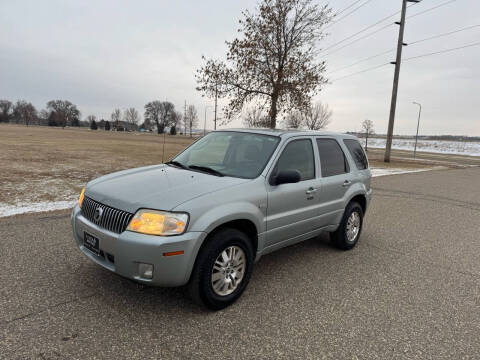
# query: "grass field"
x,y
44,164
52,164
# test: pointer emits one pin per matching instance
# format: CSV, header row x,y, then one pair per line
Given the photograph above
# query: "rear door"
x,y
336,179
360,159
293,208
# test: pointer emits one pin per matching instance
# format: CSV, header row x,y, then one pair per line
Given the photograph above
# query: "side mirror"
x,y
286,177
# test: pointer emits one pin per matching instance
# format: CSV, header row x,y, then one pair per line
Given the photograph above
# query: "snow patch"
x,y
432,146
26,207
394,171
22,208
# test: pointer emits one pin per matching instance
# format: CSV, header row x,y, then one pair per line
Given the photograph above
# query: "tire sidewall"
x,y
218,243
344,243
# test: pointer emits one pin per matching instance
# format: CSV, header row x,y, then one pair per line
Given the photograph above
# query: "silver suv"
x,y
205,217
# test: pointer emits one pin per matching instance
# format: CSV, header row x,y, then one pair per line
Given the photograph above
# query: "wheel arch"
x,y
361,199
245,225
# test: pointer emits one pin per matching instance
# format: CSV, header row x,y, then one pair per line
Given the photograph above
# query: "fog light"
x,y
145,270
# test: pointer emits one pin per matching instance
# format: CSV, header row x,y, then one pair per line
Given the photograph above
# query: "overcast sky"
x,y
106,54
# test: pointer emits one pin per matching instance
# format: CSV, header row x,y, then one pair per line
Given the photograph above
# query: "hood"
x,y
160,187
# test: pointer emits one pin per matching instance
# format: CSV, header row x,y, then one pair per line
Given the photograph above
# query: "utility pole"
x,y
185,117
396,77
205,121
215,119
418,125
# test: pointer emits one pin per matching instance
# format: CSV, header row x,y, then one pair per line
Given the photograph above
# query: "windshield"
x,y
230,153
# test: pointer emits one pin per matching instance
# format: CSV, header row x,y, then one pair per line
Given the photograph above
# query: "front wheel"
x,y
222,269
348,232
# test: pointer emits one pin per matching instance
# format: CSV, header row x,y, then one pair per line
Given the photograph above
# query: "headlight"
x,y
155,222
80,199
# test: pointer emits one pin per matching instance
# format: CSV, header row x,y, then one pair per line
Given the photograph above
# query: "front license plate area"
x,y
91,243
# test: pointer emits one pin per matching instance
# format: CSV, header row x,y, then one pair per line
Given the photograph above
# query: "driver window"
x,y
298,155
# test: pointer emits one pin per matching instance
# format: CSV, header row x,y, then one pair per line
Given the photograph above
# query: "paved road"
x,y
410,290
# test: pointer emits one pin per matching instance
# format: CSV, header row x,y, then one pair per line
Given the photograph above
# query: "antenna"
x,y
163,148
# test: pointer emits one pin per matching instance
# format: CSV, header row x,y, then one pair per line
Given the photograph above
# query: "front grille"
x,y
112,219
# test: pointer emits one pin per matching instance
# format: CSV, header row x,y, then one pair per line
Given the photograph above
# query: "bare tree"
x,y
367,127
6,108
167,110
152,113
192,117
294,119
254,117
160,113
175,122
91,118
43,117
317,116
115,117
131,117
24,112
64,112
274,62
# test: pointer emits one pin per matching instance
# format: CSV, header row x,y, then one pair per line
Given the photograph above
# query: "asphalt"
x,y
409,290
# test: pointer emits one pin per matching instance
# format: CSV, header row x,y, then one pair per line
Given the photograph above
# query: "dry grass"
x,y
45,164
52,164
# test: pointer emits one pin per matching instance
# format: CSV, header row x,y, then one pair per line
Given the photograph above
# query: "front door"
x,y
293,208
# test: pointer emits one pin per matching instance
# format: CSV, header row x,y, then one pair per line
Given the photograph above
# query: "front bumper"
x,y
122,253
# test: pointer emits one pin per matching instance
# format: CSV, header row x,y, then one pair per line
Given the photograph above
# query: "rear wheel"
x,y
348,232
222,269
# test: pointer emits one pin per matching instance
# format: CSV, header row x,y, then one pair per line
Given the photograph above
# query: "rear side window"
x,y
298,155
357,153
332,158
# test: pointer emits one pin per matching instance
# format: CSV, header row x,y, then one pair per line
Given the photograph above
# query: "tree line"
x,y
158,115
57,113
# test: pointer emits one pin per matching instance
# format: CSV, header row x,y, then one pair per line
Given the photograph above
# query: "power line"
x,y
410,58
378,22
410,44
348,14
348,7
443,34
358,39
362,60
358,32
442,51
361,71
430,9
364,29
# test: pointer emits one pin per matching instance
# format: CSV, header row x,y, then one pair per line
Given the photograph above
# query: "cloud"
x,y
122,54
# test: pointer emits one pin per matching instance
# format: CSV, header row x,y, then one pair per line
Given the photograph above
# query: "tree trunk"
x,y
366,142
273,110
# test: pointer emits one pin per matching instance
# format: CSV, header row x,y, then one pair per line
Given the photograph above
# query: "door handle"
x,y
311,191
346,183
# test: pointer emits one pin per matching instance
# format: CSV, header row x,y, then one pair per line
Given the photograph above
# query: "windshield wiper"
x,y
206,169
177,164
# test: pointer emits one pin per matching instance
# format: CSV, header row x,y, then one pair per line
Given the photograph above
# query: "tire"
x,y
215,287
341,238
